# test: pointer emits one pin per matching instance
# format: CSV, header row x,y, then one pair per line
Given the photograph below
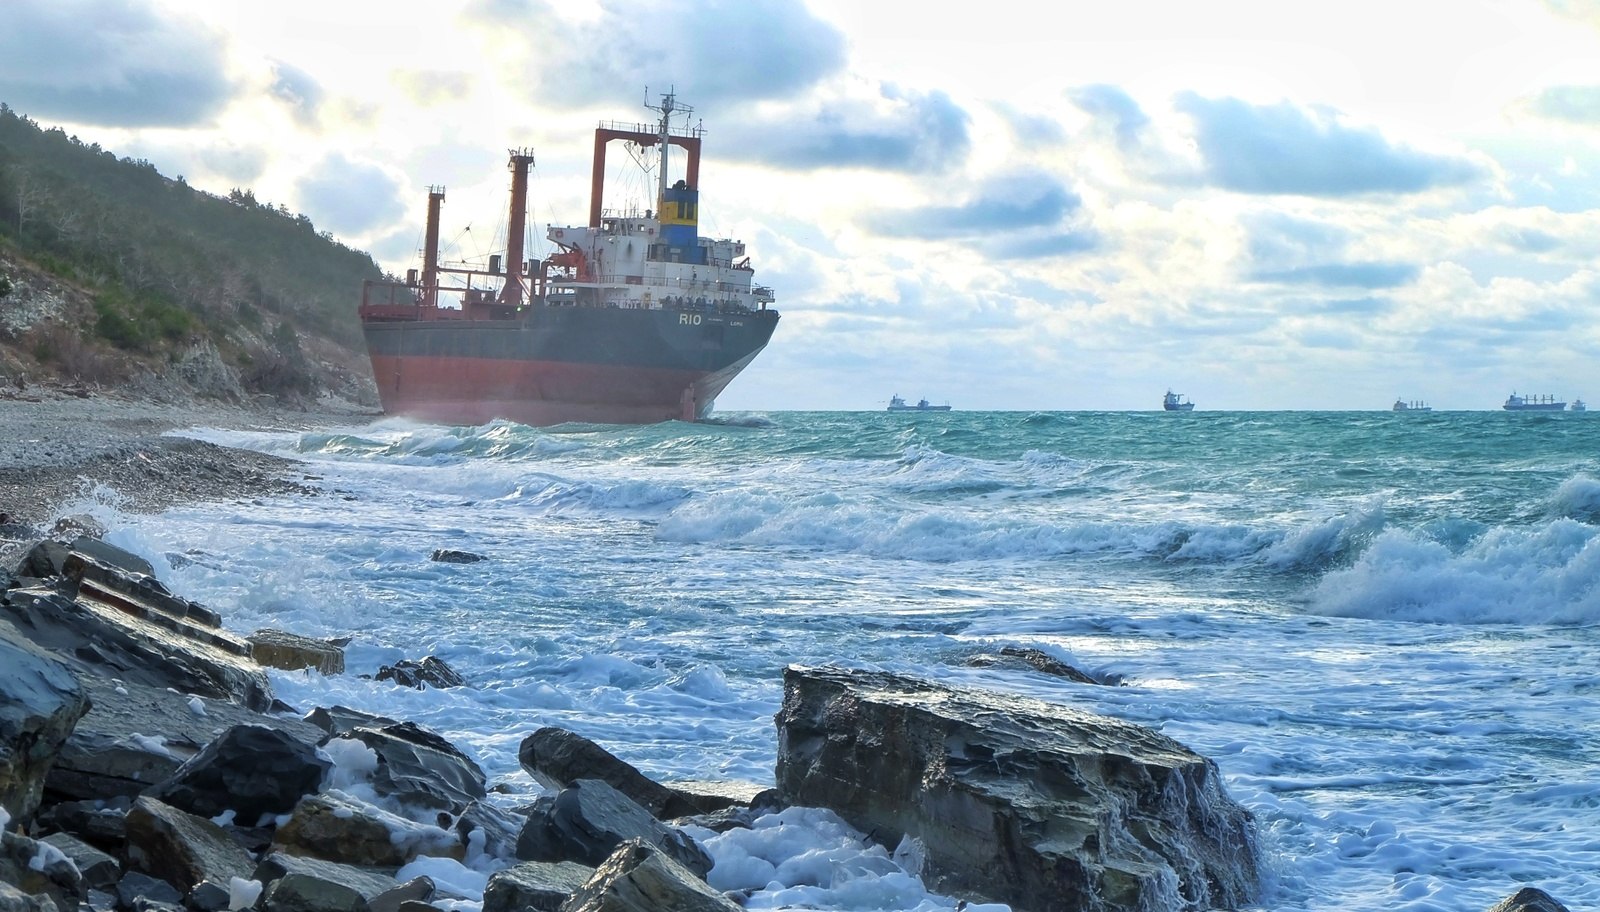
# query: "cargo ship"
x,y
634,318
1174,402
897,404
1515,403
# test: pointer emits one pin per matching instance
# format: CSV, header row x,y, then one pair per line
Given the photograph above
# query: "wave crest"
x,y
1545,575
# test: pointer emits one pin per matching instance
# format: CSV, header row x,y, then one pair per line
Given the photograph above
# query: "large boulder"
x,y
420,768
638,877
556,758
586,822
250,769
292,652
99,870
1014,800
335,826
40,702
540,886
138,734
430,672
39,868
182,849
294,883
117,634
1529,899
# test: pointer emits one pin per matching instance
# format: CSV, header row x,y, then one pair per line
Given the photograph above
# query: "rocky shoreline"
x,y
146,765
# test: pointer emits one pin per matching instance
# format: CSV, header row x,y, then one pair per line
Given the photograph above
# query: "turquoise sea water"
x,y
1381,626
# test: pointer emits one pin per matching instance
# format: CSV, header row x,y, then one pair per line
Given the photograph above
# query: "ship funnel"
x,y
430,252
513,293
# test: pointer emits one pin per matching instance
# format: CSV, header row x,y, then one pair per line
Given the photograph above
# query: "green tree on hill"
x,y
167,264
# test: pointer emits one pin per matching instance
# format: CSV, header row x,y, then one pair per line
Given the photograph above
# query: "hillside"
x,y
113,275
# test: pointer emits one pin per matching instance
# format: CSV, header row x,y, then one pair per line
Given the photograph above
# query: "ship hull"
x,y
554,365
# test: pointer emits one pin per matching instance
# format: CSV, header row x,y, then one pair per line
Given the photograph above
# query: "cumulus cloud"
x,y
712,51
297,90
349,197
897,131
1115,109
116,63
1282,148
1286,250
1005,204
1578,104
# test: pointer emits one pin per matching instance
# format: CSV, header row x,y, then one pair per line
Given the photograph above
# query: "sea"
x,y
1381,626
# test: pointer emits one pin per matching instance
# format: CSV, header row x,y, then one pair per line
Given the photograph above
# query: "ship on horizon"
x,y
1401,405
1516,403
635,319
896,404
1174,402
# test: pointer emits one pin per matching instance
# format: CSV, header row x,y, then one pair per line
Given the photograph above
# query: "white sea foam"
x,y
1548,574
646,587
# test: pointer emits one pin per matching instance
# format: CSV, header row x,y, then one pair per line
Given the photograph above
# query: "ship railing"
x,y
652,129
676,285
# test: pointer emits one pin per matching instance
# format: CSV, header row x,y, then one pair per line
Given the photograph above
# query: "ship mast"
x,y
668,106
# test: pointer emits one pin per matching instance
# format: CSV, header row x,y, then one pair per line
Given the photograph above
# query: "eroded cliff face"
x,y
1015,800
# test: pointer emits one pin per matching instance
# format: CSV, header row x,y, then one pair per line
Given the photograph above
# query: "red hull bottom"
x,y
473,391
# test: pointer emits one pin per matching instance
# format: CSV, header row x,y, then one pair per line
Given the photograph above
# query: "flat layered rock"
x,y
1014,800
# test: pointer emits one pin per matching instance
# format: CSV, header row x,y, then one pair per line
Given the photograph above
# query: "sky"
x,y
1004,205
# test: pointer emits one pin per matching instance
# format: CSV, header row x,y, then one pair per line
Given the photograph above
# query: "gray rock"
x,y
417,889
180,848
556,758
97,633
336,827
336,720
251,769
1040,806
357,882
136,885
14,900
100,871
1039,661
209,897
638,877
43,560
448,556
35,868
111,555
292,652
589,819
492,830
115,750
1529,899
40,702
538,885
430,672
420,768
98,823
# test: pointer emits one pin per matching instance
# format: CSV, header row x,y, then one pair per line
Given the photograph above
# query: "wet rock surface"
x,y
639,877
40,703
1014,800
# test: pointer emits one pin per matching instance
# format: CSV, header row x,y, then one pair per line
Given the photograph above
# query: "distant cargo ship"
x,y
896,404
635,319
1400,405
1578,406
1515,403
1174,402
